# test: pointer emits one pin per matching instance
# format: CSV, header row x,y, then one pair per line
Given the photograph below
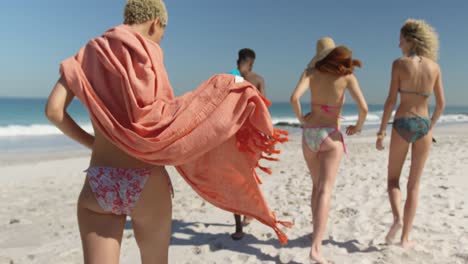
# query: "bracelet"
x,y
381,135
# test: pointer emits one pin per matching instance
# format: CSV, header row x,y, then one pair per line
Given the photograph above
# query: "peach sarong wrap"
x,y
214,135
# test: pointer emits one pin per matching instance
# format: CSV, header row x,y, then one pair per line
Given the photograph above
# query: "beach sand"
x,y
38,203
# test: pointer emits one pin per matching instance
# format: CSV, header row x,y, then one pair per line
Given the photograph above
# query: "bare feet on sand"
x,y
407,244
393,231
316,257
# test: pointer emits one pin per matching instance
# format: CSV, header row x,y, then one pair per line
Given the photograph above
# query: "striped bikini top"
x,y
415,92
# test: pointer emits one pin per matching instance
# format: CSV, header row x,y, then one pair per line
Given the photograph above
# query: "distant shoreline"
x,y
64,148
273,102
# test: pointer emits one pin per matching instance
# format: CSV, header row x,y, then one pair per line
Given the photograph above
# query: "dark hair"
x,y
245,54
338,62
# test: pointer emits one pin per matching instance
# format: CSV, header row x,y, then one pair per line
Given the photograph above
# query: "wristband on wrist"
x,y
381,135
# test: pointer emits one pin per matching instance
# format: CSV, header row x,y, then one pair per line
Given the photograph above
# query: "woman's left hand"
x,y
379,144
352,130
304,118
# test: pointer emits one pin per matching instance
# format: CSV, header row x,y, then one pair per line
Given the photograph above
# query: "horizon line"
x,y
282,102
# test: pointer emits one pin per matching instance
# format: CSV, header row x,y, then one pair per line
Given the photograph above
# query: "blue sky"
x,y
203,38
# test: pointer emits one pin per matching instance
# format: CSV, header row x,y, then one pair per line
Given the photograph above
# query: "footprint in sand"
x,y
347,212
463,257
285,257
197,250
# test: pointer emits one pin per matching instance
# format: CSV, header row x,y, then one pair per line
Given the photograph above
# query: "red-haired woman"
x,y
327,76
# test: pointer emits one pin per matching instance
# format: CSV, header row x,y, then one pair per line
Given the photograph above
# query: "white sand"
x,y
41,194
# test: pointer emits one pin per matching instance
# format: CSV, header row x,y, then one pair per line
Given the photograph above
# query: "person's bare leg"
x,y
239,234
330,158
247,220
419,154
152,218
313,164
101,232
398,151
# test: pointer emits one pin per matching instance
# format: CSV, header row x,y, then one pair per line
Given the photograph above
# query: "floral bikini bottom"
x,y
117,190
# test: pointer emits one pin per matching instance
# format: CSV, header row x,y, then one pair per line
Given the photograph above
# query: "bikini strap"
x,y
327,109
415,92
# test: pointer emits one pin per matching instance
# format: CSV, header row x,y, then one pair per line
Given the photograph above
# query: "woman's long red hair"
x,y
338,62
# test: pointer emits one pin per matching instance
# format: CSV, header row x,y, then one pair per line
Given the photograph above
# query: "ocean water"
x,y
23,125
282,113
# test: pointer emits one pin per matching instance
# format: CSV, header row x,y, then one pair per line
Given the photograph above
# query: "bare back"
x,y
256,80
326,89
417,76
105,153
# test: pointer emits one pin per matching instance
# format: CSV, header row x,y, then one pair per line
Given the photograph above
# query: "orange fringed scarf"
x,y
214,135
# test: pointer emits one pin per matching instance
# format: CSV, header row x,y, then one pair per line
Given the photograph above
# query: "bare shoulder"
x,y
432,64
256,76
405,62
400,62
255,79
350,78
310,73
401,65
